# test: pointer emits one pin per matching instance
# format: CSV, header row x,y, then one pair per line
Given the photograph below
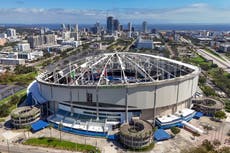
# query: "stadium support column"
x,y
52,97
71,100
126,106
190,100
177,95
154,105
97,103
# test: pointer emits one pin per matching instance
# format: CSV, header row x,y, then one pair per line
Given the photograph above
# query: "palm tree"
x,y
60,126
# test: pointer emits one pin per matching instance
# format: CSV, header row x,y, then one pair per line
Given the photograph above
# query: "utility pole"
x,y
8,145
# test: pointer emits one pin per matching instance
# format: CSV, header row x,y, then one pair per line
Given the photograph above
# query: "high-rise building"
x,y
144,27
129,26
66,35
23,47
11,32
35,41
74,35
129,29
63,27
69,27
121,27
76,28
116,25
39,40
96,29
110,25
50,39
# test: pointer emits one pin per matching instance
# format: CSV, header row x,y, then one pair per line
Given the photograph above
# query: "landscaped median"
x,y
57,144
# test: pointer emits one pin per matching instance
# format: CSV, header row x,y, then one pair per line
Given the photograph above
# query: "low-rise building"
x,y
144,43
224,47
30,55
2,41
12,61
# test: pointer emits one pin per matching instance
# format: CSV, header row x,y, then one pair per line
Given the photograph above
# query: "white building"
x,y
23,47
71,43
225,47
66,35
12,61
144,43
11,32
3,35
30,55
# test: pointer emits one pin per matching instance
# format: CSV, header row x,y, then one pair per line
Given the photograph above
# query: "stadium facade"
x,y
114,87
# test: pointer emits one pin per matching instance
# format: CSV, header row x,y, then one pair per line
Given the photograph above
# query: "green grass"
x,y
198,59
19,93
57,144
21,79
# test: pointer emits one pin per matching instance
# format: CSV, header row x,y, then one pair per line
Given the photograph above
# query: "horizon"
x,y
135,11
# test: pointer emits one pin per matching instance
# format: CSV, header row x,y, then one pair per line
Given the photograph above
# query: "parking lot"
x,y
174,145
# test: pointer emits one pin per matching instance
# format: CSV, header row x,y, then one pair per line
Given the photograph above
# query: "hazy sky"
x,y
90,11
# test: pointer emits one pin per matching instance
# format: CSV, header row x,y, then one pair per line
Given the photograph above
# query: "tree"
x,y
28,128
202,80
208,91
220,115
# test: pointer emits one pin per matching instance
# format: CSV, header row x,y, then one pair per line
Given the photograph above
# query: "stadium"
x,y
99,92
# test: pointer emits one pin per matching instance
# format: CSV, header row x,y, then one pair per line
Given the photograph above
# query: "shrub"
x,y
175,130
216,142
208,145
220,115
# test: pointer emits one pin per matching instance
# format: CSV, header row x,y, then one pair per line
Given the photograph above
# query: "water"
x,y
211,27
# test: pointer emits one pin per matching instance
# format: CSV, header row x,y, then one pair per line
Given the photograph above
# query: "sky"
x,y
136,11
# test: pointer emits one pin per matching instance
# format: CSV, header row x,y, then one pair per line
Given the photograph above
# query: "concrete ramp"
x,y
192,127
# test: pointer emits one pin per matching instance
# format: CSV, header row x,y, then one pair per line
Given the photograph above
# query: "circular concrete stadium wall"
x,y
154,93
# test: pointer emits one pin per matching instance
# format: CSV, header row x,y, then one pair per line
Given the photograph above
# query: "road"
x,y
127,48
18,148
221,63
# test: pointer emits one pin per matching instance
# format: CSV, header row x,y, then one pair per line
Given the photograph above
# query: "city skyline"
x,y
135,11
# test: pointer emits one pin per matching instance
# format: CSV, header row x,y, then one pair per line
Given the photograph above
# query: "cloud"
x,y
194,13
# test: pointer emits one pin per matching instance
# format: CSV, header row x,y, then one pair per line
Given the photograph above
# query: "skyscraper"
x,y
110,25
76,28
63,27
129,29
69,27
129,26
11,32
144,27
116,25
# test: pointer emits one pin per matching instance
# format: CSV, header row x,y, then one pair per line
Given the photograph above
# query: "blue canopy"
x,y
198,115
39,125
160,135
112,137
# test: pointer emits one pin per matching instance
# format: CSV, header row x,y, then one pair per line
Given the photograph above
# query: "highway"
x,y
221,63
